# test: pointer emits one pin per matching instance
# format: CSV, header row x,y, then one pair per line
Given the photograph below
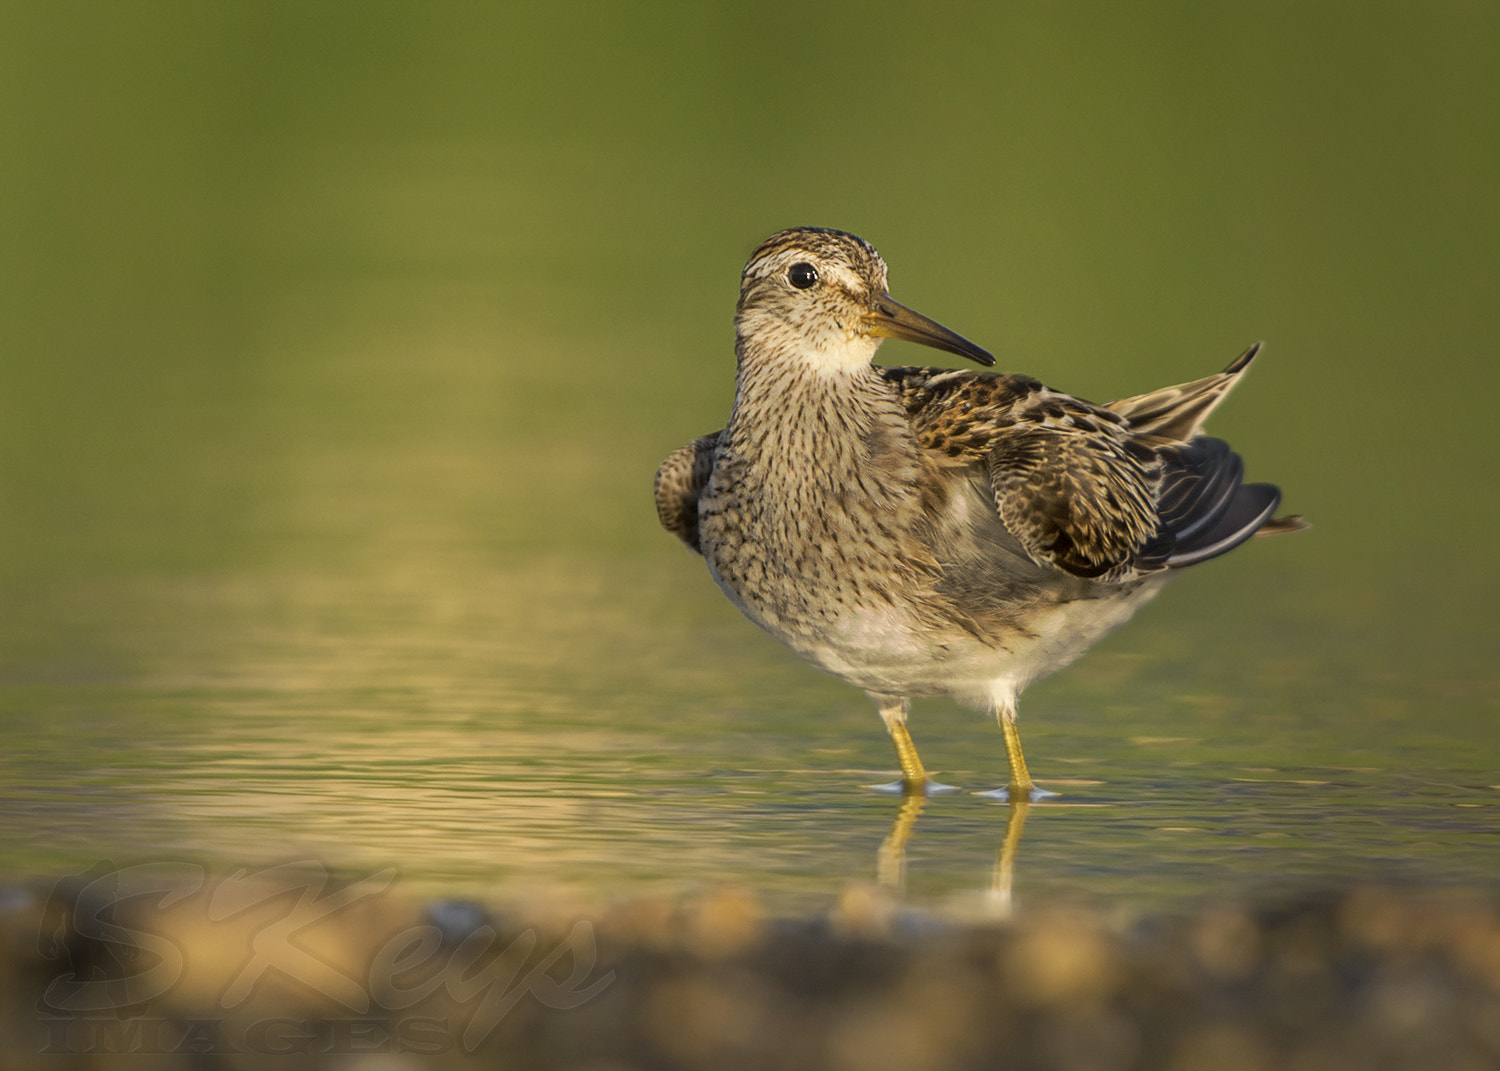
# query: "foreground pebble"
x,y
230,972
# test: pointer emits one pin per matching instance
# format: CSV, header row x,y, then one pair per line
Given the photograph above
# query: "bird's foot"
x,y
1016,793
903,787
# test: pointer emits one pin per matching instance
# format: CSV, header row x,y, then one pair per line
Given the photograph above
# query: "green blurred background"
x,y
339,343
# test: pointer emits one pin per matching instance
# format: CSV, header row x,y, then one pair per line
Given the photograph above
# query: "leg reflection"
x,y
891,864
999,898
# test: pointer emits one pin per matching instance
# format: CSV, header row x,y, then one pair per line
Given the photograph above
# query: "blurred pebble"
x,y
1365,980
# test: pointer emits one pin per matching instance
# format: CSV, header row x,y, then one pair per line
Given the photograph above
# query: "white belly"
x,y
880,651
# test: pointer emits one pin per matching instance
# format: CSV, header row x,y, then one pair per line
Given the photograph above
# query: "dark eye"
x,y
802,276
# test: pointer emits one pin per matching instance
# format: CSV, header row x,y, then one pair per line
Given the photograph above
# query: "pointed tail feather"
x,y
1179,412
1282,525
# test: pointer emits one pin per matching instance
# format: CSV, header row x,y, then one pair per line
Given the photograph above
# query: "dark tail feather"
x,y
1204,507
1251,508
1195,496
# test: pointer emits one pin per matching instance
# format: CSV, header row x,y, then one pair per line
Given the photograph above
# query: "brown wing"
x,y
1081,501
955,414
1080,486
679,485
1068,480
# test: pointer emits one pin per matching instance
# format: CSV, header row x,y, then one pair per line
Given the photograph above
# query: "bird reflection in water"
x,y
891,859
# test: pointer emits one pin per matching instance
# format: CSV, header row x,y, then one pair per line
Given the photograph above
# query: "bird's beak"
x,y
891,319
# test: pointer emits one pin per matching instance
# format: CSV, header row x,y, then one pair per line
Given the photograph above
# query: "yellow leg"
x,y
914,776
912,770
1021,785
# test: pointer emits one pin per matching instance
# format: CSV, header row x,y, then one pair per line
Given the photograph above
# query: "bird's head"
x,y
819,296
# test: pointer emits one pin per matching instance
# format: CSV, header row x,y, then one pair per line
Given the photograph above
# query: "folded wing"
x,y
1102,492
679,484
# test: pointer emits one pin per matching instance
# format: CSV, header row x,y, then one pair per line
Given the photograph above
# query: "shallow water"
x,y
332,399
571,729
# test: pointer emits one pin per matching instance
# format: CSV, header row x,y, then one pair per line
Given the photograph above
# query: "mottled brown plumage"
x,y
921,531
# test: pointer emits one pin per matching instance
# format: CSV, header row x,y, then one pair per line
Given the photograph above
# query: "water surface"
x,y
339,350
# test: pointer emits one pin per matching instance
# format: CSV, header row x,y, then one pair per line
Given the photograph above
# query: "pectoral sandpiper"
x,y
920,531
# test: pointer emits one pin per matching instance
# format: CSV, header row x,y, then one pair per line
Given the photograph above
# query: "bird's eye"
x,y
802,276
